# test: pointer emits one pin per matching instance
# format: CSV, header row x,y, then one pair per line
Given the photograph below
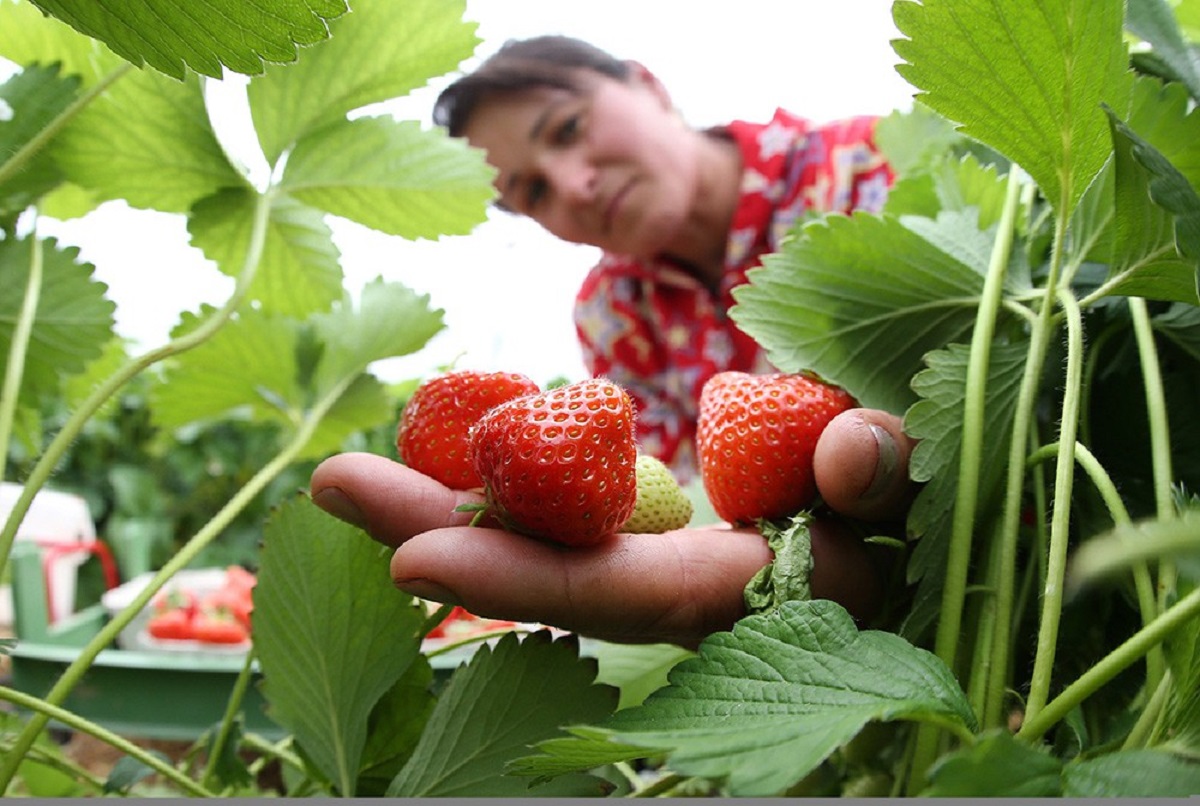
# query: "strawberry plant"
x,y
1027,299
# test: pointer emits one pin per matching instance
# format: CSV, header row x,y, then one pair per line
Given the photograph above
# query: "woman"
x,y
591,148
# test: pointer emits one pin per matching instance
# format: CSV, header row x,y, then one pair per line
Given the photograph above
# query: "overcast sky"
x,y
720,61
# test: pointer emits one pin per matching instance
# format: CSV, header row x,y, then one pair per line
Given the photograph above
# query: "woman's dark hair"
x,y
518,66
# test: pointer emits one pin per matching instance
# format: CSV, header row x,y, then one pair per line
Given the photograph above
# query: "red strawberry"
x,y
755,439
171,625
436,423
560,465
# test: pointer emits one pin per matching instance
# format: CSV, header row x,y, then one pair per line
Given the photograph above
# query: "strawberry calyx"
x,y
480,509
817,556
789,576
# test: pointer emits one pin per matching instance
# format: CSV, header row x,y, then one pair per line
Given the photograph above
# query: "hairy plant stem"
x,y
1160,433
80,417
17,352
1144,730
56,761
984,636
1178,615
209,532
277,750
958,560
232,708
1022,437
74,673
47,711
1060,514
1095,350
1143,583
11,166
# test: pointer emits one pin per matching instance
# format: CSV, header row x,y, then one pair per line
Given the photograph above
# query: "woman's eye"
x,y
535,191
567,130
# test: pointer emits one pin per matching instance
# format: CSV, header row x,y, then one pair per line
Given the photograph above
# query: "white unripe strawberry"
x,y
661,503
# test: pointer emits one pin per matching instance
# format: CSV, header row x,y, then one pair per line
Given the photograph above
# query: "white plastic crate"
x,y
54,518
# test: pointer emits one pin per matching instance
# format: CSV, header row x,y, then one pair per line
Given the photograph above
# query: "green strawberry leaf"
x,y
298,273
913,140
1133,774
247,366
1182,714
381,51
259,365
764,704
34,96
1154,22
395,727
861,299
1025,78
951,185
636,670
1157,238
1165,117
584,749
1102,556
238,34
1187,14
74,319
505,699
231,768
1181,324
392,176
331,633
936,421
27,37
1160,114
177,160
364,405
391,320
996,766
128,771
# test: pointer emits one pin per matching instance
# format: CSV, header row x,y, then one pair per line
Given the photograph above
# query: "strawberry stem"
x,y
479,509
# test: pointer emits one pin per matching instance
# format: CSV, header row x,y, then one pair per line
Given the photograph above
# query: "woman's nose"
x,y
575,180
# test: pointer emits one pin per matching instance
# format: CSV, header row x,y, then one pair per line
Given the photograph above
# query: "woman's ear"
x,y
640,75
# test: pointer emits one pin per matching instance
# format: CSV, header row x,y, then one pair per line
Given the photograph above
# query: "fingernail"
x,y
339,505
886,463
425,589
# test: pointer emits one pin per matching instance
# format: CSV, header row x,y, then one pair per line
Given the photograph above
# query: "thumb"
x,y
861,465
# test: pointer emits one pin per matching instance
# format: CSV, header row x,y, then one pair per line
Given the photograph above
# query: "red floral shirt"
x,y
656,330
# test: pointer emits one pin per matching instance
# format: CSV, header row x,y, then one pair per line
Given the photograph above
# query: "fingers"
x,y
861,465
390,501
676,587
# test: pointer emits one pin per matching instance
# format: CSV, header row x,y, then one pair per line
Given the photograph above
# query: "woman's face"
x,y
612,165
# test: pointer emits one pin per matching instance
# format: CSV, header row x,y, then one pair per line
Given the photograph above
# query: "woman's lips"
x,y
613,208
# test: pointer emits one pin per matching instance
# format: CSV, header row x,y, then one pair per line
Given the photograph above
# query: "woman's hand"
x,y
676,587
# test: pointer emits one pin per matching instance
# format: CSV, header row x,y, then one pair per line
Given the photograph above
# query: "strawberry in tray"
x,y
203,614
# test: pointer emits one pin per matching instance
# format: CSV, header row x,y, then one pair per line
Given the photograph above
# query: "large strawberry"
x,y
755,439
436,423
560,465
